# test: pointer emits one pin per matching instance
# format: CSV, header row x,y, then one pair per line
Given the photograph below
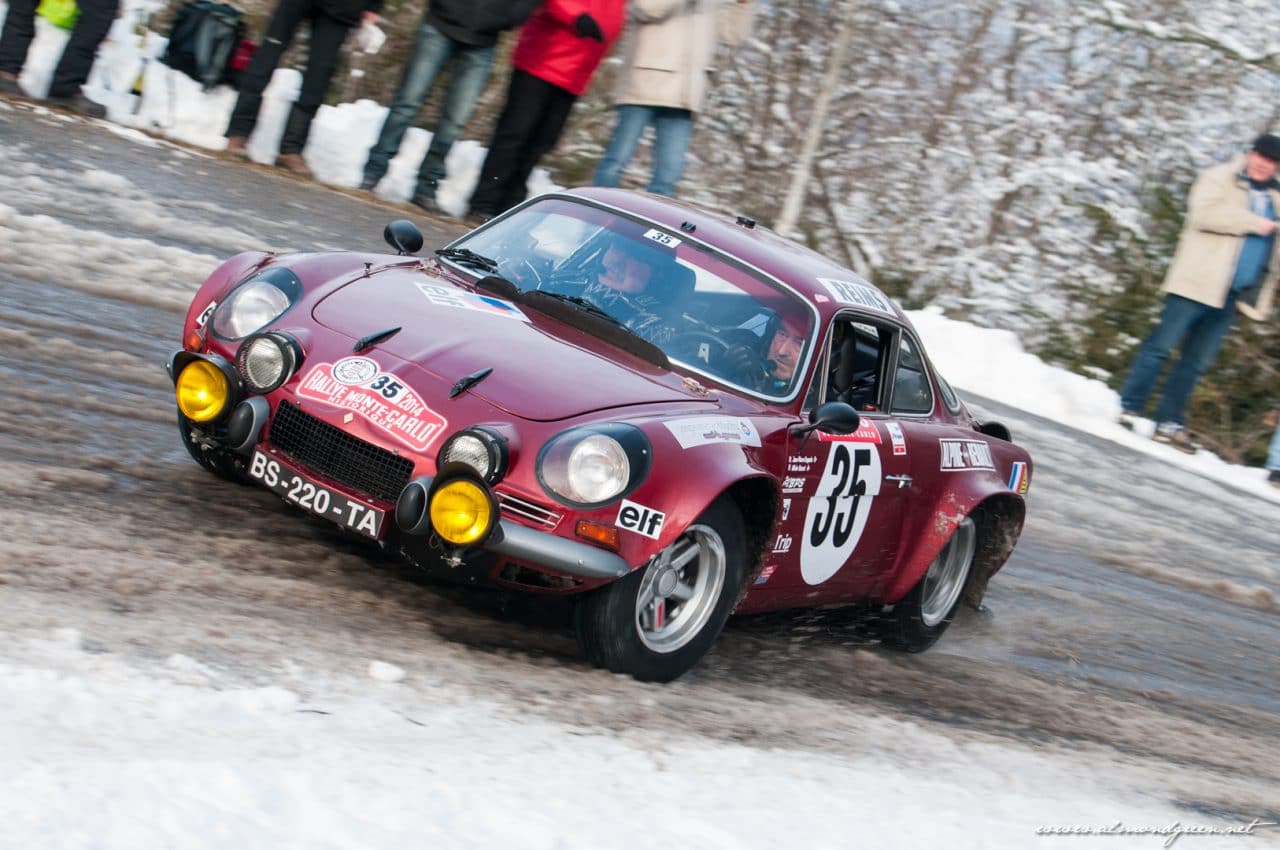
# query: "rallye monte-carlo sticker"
x,y
838,510
359,384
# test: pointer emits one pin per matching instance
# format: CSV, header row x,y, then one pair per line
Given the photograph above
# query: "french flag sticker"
x,y
1018,478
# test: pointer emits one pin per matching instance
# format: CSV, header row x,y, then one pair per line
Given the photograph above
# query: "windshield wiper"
x,y
582,304
469,258
584,314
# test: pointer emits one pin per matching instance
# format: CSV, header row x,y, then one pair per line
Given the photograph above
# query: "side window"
x,y
911,391
855,364
949,396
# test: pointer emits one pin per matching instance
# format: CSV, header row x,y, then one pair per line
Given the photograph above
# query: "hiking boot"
x,y
427,203
79,104
9,85
368,184
293,163
238,146
1173,434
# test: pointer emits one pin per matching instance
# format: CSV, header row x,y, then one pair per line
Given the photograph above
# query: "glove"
x,y
587,27
741,364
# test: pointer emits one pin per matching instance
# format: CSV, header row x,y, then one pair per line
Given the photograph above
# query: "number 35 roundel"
x,y
838,511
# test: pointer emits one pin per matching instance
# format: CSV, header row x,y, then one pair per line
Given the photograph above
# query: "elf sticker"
x,y
357,384
838,511
640,519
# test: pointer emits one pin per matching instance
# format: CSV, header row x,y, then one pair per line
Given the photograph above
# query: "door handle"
x,y
903,480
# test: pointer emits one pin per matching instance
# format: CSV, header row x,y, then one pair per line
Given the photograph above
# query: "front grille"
x,y
529,511
336,454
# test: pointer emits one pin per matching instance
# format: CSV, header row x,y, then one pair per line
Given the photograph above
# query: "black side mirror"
x,y
834,417
404,236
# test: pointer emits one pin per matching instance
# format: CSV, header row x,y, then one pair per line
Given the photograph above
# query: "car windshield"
x,y
708,313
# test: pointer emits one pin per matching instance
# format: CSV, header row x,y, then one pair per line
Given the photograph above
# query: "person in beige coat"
x,y
1226,261
667,63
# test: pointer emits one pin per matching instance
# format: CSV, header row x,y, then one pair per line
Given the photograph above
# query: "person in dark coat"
x,y
556,55
461,34
331,20
91,27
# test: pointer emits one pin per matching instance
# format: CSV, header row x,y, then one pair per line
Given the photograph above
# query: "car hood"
x,y
543,369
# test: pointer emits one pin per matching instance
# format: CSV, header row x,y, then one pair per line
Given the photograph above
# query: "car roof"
x,y
827,285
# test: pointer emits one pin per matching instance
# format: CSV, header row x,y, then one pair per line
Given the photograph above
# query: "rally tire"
x,y
919,618
701,572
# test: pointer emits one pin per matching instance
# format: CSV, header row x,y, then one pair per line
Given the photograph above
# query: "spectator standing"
x,y
331,20
555,57
670,48
459,33
1225,261
91,27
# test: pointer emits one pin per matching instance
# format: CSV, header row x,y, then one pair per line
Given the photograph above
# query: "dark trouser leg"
x,y
467,81
284,22
1201,348
19,29
327,35
91,28
1178,315
557,104
432,49
523,110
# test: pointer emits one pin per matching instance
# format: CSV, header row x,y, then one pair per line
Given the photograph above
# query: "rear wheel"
x,y
920,618
657,622
221,462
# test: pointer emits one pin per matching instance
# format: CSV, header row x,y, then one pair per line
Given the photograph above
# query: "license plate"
x,y
294,487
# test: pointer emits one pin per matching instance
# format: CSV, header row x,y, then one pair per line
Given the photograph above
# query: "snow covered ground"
x,y
99,749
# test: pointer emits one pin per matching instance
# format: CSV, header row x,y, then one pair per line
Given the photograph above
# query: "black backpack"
x,y
202,41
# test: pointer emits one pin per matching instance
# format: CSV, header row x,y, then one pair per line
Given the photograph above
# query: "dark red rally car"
x,y
673,414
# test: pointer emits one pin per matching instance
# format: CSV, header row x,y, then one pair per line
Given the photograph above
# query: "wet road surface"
x,y
1140,613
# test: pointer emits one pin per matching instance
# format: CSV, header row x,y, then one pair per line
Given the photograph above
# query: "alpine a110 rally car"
x,y
671,413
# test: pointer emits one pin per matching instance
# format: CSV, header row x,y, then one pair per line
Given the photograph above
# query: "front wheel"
x,y
920,618
657,622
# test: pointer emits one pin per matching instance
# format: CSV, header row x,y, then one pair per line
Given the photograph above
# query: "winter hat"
x,y
1268,145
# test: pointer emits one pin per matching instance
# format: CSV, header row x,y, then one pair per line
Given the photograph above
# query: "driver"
x,y
775,374
622,289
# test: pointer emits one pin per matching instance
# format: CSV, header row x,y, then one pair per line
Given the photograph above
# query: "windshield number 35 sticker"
x,y
838,511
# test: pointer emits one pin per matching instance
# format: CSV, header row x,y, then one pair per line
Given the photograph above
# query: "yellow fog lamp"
x,y
462,511
203,389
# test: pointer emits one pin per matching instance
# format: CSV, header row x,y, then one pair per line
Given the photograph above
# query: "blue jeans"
x,y
1273,453
672,130
1201,330
431,52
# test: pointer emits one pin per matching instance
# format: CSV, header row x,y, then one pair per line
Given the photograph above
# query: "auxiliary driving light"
x,y
462,512
202,390
265,361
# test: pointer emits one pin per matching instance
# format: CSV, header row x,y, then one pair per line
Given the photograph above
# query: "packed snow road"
x,y
1139,618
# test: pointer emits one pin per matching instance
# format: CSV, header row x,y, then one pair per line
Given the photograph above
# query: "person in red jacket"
x,y
558,51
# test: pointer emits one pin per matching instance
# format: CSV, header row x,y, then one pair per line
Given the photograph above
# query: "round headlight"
x,y
250,307
462,512
202,391
480,450
267,361
598,469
